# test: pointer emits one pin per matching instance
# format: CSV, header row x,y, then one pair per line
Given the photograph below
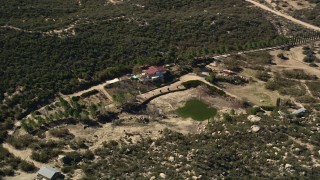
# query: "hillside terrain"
x,y
73,46
306,10
161,89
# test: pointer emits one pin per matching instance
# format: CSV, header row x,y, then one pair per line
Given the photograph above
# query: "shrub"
x,y
89,93
45,155
307,99
237,80
78,144
7,171
286,86
298,74
227,117
67,169
59,132
21,142
268,108
216,90
310,59
192,84
75,98
72,158
263,75
196,83
3,135
27,167
254,110
88,155
314,87
282,56
308,52
313,65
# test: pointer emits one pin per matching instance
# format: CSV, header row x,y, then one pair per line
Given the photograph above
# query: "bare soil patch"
x,y
255,93
295,61
290,5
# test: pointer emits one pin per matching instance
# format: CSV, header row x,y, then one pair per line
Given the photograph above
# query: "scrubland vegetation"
x,y
109,40
310,15
219,152
9,163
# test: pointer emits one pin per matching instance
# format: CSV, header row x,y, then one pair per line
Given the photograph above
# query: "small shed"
x,y
48,173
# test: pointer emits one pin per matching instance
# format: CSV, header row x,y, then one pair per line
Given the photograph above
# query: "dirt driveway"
x,y
176,86
307,25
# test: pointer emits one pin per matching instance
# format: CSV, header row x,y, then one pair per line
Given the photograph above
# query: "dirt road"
x,y
99,87
307,25
178,85
23,154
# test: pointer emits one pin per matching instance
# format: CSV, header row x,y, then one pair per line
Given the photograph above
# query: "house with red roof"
x,y
155,72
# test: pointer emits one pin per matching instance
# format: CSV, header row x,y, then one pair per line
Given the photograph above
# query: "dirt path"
x,y
104,92
178,85
303,82
172,87
99,87
62,32
23,154
20,175
307,25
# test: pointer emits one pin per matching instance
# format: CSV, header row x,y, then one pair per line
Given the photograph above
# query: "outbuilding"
x,y
299,111
48,173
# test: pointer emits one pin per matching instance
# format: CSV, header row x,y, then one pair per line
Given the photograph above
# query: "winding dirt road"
x,y
23,154
178,85
297,21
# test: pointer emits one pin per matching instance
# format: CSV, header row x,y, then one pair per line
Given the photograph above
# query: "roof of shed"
x,y
48,172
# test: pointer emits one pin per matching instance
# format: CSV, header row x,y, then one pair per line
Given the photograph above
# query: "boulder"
x,y
288,166
153,144
162,175
253,118
255,128
171,158
153,178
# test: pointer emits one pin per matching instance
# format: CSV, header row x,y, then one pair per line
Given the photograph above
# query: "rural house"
x,y
155,72
48,173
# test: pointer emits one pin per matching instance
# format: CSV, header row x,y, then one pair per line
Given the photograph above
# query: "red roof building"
x,y
155,71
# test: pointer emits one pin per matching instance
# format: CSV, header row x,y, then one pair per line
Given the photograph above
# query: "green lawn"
x,y
197,110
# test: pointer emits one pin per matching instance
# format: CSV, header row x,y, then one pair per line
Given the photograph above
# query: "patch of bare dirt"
x,y
22,176
255,93
290,5
132,129
284,15
295,61
22,154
